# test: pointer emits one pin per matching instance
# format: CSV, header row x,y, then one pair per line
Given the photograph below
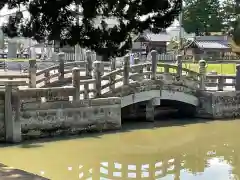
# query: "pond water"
x,y
166,150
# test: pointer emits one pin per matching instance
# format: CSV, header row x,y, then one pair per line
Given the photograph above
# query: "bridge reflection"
x,y
174,167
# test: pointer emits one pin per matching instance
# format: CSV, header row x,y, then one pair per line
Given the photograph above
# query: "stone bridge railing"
x,y
61,74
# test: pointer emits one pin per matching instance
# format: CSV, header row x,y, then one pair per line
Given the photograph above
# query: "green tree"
x,y
234,31
202,16
173,45
56,20
228,13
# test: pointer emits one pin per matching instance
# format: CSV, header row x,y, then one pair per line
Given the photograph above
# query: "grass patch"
x,y
14,60
227,69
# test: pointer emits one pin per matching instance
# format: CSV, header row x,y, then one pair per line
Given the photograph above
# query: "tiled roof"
x,y
212,44
162,37
211,38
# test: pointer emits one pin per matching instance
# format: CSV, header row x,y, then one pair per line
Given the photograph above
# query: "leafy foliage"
x,y
56,20
232,9
229,13
202,16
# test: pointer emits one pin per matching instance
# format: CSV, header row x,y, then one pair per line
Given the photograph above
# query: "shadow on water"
x,y
170,113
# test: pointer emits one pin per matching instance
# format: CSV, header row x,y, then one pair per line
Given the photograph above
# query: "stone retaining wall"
x,y
217,105
52,118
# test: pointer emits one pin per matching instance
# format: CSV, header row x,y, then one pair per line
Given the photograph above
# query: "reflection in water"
x,y
171,169
198,151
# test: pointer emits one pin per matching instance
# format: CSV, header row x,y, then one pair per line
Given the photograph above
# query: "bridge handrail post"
x,y
179,65
126,69
76,83
12,120
136,60
113,76
139,70
61,60
202,71
32,73
154,64
237,84
97,76
89,65
221,81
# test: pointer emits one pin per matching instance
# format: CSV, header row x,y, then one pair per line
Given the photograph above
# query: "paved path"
x,y
9,173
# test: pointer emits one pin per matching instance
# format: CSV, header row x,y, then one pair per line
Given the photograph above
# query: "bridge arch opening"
x,y
169,109
183,109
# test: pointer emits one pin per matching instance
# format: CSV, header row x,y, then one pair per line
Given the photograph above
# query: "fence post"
x,y
113,76
89,65
154,64
202,71
237,84
76,83
12,121
32,73
179,66
61,59
126,70
97,76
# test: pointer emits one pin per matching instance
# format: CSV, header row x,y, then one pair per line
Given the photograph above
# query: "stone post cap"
x,y
213,73
202,62
76,69
88,52
97,62
126,57
153,51
238,66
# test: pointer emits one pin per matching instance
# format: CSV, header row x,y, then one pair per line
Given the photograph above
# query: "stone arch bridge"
x,y
90,95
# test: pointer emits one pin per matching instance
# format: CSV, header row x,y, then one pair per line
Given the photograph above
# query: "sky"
x,y
5,11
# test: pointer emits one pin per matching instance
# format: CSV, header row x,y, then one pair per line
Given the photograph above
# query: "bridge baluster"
x,y
237,84
61,59
47,78
126,69
89,65
32,73
113,76
202,71
221,81
179,66
138,70
76,83
154,64
97,77
166,69
89,69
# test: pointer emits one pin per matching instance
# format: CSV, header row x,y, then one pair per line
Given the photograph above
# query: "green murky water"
x,y
163,150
